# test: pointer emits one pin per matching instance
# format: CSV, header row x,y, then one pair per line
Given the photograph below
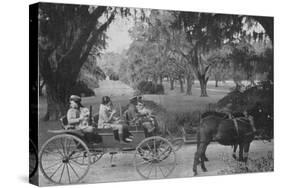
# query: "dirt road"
x,y
125,170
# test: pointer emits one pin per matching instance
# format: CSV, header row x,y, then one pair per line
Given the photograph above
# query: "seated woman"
x,y
108,120
146,119
77,117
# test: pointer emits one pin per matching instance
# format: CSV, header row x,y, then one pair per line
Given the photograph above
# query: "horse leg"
x,y
197,156
240,152
195,163
203,156
234,151
246,150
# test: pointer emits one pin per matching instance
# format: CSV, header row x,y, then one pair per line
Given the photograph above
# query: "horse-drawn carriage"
x,y
66,157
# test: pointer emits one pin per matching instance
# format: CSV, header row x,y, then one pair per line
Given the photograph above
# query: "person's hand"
x,y
113,112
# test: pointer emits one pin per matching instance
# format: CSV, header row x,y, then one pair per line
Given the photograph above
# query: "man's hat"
x,y
75,98
135,99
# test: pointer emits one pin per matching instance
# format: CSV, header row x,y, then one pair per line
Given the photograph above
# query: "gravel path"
x,y
125,170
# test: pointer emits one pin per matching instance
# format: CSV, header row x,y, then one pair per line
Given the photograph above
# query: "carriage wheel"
x,y
177,143
33,159
61,157
155,158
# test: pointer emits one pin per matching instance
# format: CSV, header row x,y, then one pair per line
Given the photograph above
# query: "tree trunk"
x,y
57,103
181,84
203,85
171,84
161,80
217,83
189,80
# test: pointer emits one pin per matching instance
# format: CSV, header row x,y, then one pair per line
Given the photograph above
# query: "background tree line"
x,y
171,45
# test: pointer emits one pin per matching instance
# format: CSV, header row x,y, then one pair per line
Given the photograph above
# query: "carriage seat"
x,y
64,122
65,125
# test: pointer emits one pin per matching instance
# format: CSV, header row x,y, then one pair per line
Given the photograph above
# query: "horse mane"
x,y
214,113
221,114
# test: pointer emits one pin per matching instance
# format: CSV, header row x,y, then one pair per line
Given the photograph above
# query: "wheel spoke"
x,y
76,164
58,149
73,170
62,144
144,162
76,157
161,171
68,173
51,152
56,171
148,147
53,165
66,147
156,171
62,172
77,145
150,171
154,146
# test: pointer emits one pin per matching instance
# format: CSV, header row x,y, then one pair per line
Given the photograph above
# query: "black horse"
x,y
234,132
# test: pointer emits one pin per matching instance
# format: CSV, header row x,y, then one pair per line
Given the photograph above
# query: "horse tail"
x,y
198,137
198,132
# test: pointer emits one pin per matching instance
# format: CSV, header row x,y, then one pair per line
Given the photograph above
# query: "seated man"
x,y
131,114
227,110
107,119
145,118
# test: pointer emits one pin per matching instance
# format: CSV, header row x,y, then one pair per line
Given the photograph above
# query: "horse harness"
x,y
235,119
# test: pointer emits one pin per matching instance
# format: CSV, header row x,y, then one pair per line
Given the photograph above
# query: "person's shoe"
x,y
128,139
151,129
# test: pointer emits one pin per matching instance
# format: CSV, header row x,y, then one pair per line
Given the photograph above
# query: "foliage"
x,y
148,87
68,34
261,164
91,73
81,89
241,100
110,62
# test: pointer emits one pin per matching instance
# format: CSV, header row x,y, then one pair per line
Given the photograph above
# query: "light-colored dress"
x,y
106,122
104,114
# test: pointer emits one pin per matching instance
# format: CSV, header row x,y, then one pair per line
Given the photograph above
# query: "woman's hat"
x,y
105,99
75,98
135,99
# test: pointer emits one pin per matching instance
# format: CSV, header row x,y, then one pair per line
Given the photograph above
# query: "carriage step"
x,y
128,149
111,133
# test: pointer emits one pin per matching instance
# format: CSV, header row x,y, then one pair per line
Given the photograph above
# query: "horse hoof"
x,y
241,159
204,169
195,174
206,159
234,157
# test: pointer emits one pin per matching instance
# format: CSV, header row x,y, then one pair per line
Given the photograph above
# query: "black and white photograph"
x,y
125,94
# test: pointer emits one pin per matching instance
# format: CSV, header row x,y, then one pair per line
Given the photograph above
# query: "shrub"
x,y
147,87
82,89
174,122
114,76
241,100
